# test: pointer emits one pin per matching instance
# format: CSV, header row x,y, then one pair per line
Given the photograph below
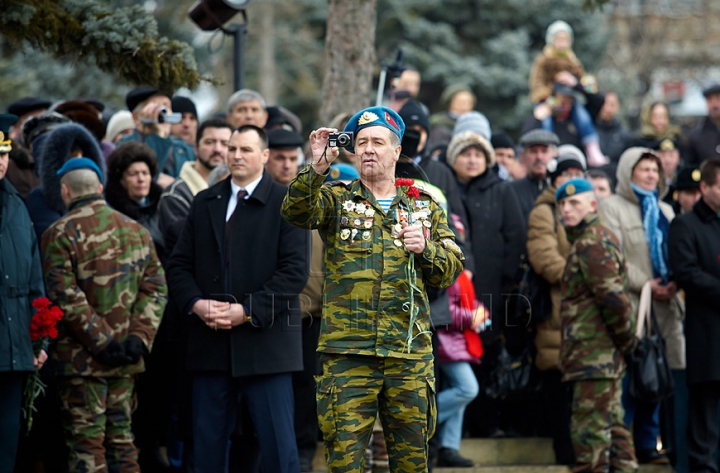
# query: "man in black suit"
x,y
694,249
236,272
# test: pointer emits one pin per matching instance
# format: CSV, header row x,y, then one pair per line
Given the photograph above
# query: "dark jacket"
x,y
146,214
497,232
694,249
21,280
45,203
171,152
614,138
527,191
703,142
269,269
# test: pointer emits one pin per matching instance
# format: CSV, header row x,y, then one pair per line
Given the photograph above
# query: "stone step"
x,y
501,455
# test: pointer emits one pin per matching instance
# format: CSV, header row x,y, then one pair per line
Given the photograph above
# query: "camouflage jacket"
x,y
366,293
597,324
102,270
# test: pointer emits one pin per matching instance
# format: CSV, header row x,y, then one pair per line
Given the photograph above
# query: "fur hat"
x,y
466,139
555,28
56,149
84,114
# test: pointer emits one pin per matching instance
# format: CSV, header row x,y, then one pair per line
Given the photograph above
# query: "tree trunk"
x,y
267,84
349,57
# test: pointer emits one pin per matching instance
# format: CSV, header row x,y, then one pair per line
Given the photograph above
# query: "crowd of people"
x,y
233,292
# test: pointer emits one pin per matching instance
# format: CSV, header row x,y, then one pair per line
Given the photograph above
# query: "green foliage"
x,y
486,44
124,42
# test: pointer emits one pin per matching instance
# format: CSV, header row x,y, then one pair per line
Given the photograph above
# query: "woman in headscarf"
x,y
640,220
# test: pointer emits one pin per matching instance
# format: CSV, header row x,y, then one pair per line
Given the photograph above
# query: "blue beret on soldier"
x,y
6,121
342,172
573,187
375,116
74,164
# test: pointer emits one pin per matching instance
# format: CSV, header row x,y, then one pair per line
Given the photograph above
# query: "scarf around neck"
x,y
656,226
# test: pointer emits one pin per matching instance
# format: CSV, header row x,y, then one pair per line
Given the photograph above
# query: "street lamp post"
x,y
210,15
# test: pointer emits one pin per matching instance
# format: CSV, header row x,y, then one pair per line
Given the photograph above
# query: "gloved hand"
x,y
134,348
113,355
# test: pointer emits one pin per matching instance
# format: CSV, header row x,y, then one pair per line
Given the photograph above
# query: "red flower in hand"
x,y
43,323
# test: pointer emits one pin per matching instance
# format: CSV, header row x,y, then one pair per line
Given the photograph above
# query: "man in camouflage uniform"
x,y
102,270
597,330
375,333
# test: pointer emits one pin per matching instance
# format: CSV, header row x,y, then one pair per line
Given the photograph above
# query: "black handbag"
x,y
650,377
514,376
529,300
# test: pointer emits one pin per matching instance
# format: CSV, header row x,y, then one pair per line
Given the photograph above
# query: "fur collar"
x,y
118,199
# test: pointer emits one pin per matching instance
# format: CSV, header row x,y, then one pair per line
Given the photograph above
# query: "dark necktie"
x,y
240,197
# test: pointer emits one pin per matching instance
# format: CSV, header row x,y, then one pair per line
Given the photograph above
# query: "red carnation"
x,y
44,321
403,182
413,192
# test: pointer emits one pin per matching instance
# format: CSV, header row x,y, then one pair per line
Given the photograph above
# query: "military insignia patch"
x,y
334,173
390,121
667,145
570,190
696,175
367,117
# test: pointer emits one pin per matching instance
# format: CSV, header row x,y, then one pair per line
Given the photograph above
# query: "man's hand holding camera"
x,y
149,117
323,155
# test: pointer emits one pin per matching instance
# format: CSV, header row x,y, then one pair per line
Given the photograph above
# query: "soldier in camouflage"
x,y
597,331
102,270
375,341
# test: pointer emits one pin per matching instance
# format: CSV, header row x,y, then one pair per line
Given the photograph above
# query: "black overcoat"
x,y
694,250
268,268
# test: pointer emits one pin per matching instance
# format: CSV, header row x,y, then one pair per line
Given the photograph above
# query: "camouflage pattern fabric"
x,y
597,324
366,289
96,417
102,270
601,440
352,391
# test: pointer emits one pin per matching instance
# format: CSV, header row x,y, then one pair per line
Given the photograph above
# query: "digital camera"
x,y
345,139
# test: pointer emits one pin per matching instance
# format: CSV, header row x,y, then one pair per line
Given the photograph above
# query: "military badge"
x,y
390,121
396,230
369,212
360,208
344,234
367,117
344,220
357,222
366,235
570,189
398,243
368,223
427,223
696,175
349,205
353,233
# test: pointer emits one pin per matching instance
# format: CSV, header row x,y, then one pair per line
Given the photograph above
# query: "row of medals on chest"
x,y
361,215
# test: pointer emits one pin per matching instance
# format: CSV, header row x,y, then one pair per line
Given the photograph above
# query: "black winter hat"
x,y
182,104
501,140
688,178
412,113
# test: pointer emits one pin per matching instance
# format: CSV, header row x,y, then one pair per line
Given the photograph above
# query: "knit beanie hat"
x,y
473,121
555,28
466,139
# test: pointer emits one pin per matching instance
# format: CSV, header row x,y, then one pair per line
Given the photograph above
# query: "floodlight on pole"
x,y
211,15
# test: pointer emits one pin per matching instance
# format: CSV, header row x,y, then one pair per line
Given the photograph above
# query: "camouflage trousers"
x,y
600,437
354,389
96,413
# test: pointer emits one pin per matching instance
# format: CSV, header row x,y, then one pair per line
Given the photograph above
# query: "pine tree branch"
x,y
124,42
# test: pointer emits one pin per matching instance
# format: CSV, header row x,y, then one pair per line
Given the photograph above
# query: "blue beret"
x,y
376,116
342,172
79,163
572,187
